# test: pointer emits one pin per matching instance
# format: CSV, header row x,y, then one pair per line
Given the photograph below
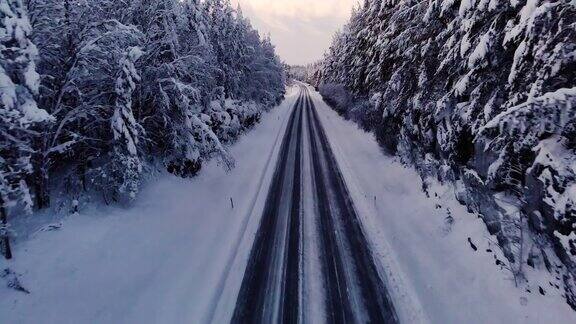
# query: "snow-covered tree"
x,y
226,44
174,87
19,84
477,85
201,77
82,134
59,29
126,164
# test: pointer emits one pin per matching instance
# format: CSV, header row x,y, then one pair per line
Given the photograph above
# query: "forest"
x,y
100,95
479,93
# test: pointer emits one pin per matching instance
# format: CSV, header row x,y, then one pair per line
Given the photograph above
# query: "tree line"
x,y
97,95
479,92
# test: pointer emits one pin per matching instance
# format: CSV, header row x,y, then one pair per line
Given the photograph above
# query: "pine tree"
x,y
481,85
19,83
126,164
55,30
201,81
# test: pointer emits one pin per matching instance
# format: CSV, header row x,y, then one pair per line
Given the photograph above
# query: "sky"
x,y
301,29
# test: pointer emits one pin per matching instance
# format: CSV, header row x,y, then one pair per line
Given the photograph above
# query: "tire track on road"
x,y
273,283
342,225
260,300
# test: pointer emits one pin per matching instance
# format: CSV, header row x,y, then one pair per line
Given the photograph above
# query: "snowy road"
x,y
180,252
309,218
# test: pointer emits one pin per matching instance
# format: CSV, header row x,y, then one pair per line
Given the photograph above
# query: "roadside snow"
x,y
166,259
425,245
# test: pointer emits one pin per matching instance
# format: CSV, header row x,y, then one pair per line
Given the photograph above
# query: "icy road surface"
x,y
276,278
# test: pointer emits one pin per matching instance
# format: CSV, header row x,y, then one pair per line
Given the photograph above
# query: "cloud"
x,y
300,29
303,9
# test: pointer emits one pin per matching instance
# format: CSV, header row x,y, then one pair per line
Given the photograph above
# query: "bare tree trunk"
x,y
41,185
521,264
40,176
5,240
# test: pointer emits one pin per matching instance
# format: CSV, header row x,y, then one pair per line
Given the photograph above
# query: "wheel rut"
x,y
273,283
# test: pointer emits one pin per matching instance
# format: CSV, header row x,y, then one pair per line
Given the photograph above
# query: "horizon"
x,y
300,31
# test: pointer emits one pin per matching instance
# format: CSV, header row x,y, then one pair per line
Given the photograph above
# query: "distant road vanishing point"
x,y
277,281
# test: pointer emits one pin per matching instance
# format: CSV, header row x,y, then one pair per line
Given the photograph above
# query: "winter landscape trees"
x,y
476,92
19,113
102,93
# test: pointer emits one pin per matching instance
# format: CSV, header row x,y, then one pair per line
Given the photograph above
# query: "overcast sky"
x,y
301,29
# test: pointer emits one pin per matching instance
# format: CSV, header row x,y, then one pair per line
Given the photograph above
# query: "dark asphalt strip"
x,y
338,308
293,260
272,286
375,296
254,296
